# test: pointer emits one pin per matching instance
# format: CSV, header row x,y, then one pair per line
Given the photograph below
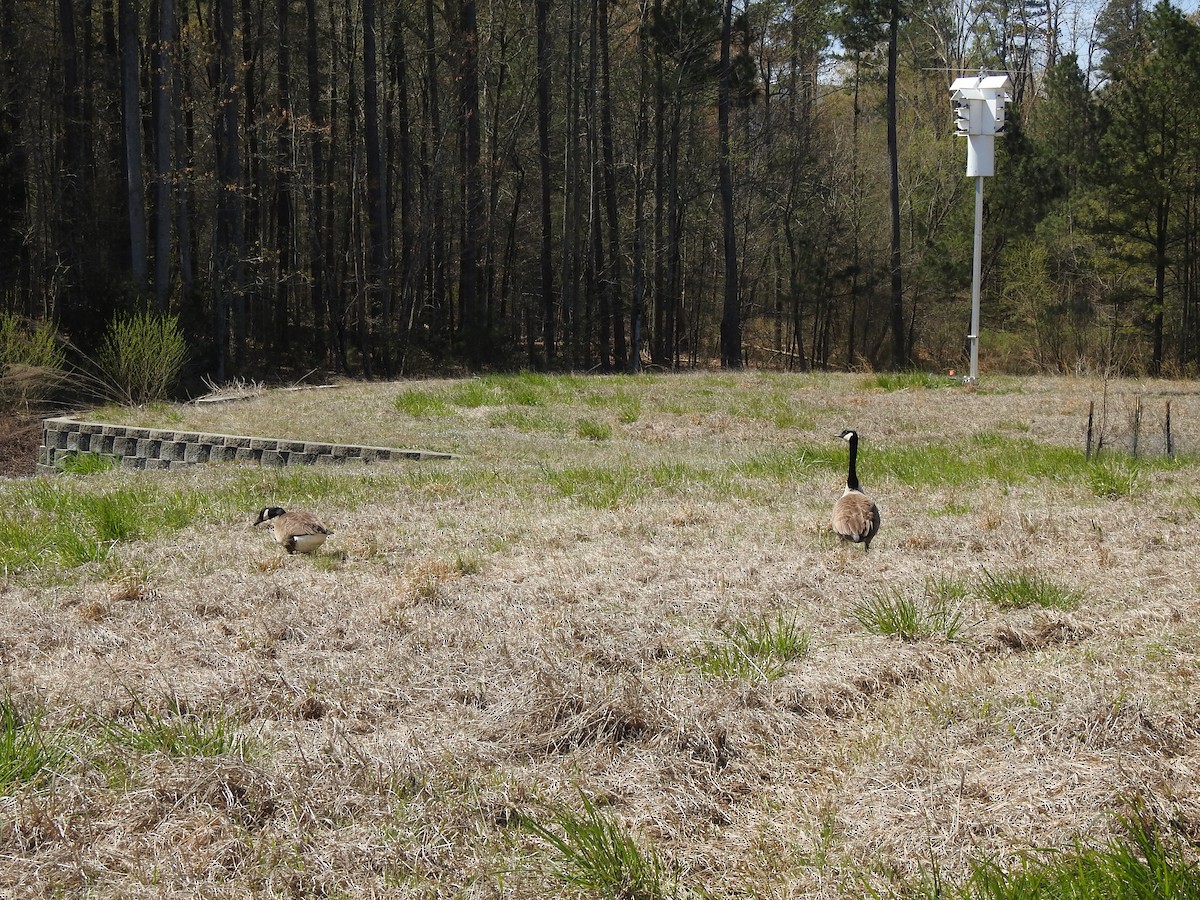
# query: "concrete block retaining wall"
x,y
156,448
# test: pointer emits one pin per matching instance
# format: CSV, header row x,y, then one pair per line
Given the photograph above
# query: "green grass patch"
x,y
596,486
627,406
933,611
528,420
27,750
80,463
759,649
1113,477
612,487
903,381
422,405
1144,862
987,457
776,407
593,430
601,858
1023,588
524,389
791,463
51,523
178,734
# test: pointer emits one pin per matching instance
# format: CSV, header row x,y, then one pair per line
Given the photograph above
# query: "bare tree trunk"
x,y
731,318
285,214
13,165
378,287
184,140
641,140
570,256
164,100
438,263
599,282
248,308
899,358
542,9
318,245
471,323
229,241
615,280
404,165
131,125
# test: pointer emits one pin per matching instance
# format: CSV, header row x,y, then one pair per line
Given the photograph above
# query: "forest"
x,y
383,189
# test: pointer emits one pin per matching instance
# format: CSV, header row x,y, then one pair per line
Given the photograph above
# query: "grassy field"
x,y
612,648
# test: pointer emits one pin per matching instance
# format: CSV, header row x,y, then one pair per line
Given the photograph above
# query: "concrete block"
x,y
195,453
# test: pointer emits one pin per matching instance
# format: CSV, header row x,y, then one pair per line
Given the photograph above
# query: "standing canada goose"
x,y
855,515
296,530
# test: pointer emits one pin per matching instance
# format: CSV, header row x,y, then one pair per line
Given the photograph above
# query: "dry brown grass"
x,y
474,644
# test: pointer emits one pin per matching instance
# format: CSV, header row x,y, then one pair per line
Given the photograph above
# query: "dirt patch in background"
x,y
20,437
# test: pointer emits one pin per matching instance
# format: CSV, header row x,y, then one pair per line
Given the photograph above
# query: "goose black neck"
x,y
852,475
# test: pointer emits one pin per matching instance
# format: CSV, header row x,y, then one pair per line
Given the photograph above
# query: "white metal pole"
x,y
976,274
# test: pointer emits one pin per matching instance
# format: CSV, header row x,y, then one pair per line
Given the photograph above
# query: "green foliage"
x,y
142,356
610,487
759,649
1143,863
32,361
1114,477
1024,587
85,463
178,735
903,381
593,430
525,389
34,344
989,455
791,463
628,406
27,751
595,855
528,420
910,616
599,487
422,404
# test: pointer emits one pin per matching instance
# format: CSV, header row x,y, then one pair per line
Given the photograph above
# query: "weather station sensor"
x,y
979,102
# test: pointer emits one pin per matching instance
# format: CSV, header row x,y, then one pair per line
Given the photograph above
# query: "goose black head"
x,y
267,513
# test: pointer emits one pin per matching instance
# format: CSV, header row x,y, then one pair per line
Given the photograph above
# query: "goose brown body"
x,y
855,515
296,531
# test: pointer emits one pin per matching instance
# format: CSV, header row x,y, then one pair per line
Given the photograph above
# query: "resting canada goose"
x,y
855,515
296,530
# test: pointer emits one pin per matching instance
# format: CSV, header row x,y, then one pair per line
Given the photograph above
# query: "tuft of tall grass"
x,y
80,463
597,856
761,649
528,420
934,611
1022,588
178,734
422,404
32,360
593,430
1113,477
525,389
902,381
1141,863
599,487
27,751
